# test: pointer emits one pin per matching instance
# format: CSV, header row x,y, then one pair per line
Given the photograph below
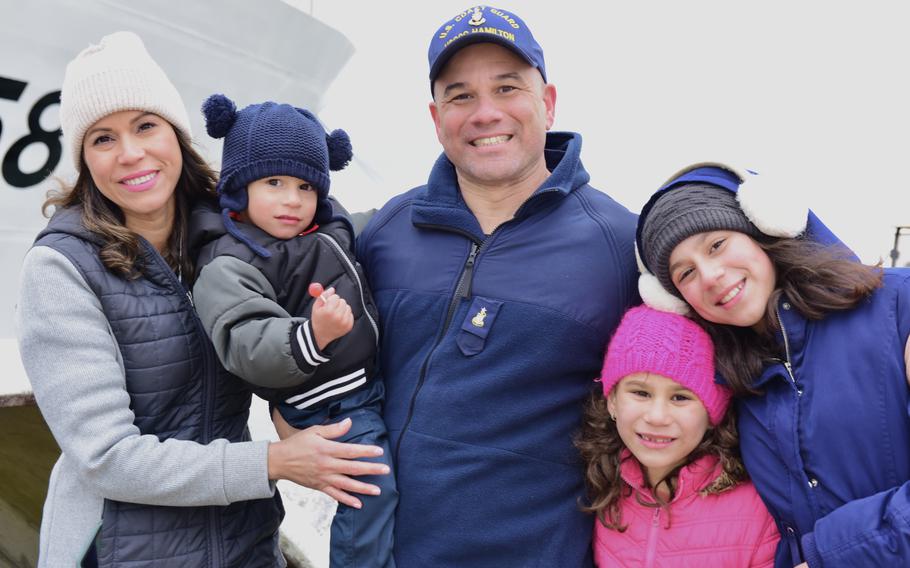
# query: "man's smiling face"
x,y
492,111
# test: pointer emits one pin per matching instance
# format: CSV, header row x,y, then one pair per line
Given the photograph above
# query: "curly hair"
x,y
121,252
815,279
601,449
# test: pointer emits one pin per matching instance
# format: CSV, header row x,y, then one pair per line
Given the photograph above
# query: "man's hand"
x,y
331,317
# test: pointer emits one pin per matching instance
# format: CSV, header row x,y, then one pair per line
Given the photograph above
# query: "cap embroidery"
x,y
477,17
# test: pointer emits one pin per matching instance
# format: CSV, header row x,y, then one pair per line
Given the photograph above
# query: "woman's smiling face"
x,y
135,161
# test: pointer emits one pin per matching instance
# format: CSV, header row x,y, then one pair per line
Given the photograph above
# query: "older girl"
x,y
814,344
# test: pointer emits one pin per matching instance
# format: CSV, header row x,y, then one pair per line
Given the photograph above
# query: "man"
x,y
499,283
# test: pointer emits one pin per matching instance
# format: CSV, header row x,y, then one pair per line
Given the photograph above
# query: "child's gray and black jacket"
x,y
257,310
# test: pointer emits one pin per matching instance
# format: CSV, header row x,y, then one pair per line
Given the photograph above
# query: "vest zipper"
x,y
208,396
353,271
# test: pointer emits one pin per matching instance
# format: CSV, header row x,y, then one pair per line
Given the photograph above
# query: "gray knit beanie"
x,y
684,211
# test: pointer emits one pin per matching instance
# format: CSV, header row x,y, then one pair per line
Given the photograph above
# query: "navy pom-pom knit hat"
x,y
271,139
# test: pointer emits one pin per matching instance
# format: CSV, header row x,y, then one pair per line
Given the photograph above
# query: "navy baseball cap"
x,y
483,24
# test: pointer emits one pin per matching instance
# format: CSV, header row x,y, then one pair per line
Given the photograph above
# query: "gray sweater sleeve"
x,y
254,337
74,365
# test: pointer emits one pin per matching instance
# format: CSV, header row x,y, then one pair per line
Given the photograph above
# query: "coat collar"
x,y
791,339
441,204
692,478
68,220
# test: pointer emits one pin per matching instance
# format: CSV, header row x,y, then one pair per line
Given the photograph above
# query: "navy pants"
x,y
361,538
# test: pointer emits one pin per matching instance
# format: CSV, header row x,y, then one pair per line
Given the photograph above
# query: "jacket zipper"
x,y
786,361
466,273
462,290
652,539
792,538
208,396
353,271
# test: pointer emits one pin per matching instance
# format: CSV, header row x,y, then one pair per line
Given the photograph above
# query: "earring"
x,y
612,417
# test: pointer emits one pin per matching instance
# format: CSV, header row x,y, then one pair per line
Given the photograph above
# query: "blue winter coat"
x,y
489,346
828,447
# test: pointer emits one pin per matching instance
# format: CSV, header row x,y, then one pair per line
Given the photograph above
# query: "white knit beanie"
x,y
117,74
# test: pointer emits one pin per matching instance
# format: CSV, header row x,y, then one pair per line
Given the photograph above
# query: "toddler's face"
x,y
659,420
282,206
725,276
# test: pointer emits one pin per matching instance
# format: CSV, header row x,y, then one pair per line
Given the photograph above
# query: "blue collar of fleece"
x,y
441,204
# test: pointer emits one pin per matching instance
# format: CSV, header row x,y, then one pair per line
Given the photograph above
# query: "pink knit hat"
x,y
671,345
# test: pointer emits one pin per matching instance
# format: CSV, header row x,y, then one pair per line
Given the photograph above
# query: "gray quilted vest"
x,y
177,390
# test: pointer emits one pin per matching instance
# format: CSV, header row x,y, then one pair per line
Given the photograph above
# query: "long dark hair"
x,y
601,449
120,252
815,279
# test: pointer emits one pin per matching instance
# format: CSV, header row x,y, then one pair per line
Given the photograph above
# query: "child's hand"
x,y
331,317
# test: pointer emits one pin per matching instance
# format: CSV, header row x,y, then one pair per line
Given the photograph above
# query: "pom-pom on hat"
x,y
271,139
115,75
483,24
670,345
711,196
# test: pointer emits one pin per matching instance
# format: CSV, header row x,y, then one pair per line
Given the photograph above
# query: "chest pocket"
x,y
478,322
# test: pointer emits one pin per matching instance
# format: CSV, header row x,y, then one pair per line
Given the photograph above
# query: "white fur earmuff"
x,y
653,293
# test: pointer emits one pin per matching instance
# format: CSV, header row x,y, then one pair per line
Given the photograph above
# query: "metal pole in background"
x,y
899,231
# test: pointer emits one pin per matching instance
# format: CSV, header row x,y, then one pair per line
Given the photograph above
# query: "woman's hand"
x,y
282,427
311,458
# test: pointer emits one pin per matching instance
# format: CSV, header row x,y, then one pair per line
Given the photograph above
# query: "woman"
x,y
814,343
155,468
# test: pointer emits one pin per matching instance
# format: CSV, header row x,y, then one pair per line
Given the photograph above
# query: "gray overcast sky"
x,y
812,94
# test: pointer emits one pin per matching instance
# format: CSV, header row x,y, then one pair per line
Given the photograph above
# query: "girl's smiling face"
x,y
725,276
659,420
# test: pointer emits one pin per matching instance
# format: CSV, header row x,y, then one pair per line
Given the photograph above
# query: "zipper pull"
x,y
790,372
469,270
799,391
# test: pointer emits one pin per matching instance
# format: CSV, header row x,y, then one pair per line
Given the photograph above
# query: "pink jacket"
x,y
731,529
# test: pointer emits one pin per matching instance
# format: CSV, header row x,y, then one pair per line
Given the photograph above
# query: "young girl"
x,y
815,346
663,472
